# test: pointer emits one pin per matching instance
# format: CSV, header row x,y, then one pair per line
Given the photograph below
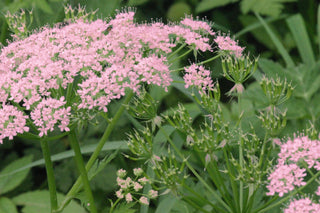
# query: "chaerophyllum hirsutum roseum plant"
x,y
56,78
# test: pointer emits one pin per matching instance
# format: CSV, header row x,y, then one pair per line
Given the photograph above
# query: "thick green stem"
x,y
83,172
50,175
200,63
77,185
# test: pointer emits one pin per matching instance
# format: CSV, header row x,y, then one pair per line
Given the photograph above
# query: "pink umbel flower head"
x,y
99,60
197,25
287,174
48,113
225,43
304,205
12,122
199,77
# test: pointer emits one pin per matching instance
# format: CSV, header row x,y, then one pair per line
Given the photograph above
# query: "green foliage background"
x,y
287,42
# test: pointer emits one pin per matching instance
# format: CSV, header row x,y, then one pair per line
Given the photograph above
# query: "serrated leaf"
x,y
7,206
264,7
39,201
206,5
99,165
7,183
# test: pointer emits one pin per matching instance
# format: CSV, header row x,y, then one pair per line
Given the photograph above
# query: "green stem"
x,y
80,164
181,56
194,171
77,185
176,51
114,205
241,159
200,63
50,175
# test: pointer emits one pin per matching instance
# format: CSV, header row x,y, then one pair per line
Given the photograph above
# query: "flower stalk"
x,y
50,174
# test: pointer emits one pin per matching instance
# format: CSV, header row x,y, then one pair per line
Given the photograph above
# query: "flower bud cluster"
x,y
130,188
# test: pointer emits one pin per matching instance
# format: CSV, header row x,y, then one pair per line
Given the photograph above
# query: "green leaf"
x,y
300,35
99,165
7,206
68,154
39,201
264,7
124,208
178,10
206,5
136,2
273,70
318,26
256,30
166,205
44,6
9,182
104,7
283,52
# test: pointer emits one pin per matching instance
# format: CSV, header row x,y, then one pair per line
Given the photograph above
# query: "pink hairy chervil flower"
x,y
227,44
287,174
198,76
98,65
304,205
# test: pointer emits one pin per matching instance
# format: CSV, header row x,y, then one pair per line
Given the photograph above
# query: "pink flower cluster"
x,y
287,173
225,43
99,60
198,76
302,206
128,187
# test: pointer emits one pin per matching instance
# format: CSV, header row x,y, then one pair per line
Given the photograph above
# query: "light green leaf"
x,y
44,6
264,7
68,154
7,206
300,35
318,26
124,208
39,201
285,55
166,204
9,182
206,5
136,2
